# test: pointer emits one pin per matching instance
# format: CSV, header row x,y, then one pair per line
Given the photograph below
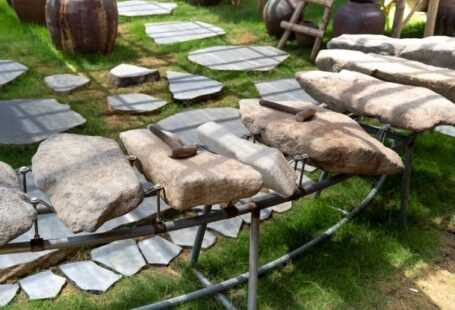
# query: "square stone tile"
x,y
43,285
185,237
181,31
159,251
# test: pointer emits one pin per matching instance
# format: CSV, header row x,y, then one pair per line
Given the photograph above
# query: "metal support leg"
x,y
324,175
254,260
23,171
406,185
199,238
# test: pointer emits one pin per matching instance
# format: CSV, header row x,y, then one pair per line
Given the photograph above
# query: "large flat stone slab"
x,y
228,227
122,256
144,8
200,180
63,84
181,31
190,87
184,124
135,103
10,70
90,277
447,130
159,251
88,180
239,58
276,171
27,121
185,237
7,293
403,106
333,141
435,50
282,90
43,285
391,69
128,75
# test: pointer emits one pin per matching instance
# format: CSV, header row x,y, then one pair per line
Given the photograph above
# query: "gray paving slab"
x,y
90,277
184,124
181,31
282,207
27,121
7,293
185,237
228,227
159,251
239,58
43,285
144,8
265,214
128,75
63,84
10,70
135,103
447,130
283,90
190,87
122,256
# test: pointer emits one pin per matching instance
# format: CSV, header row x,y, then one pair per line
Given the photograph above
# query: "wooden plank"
x,y
408,18
432,12
323,28
295,17
398,18
302,29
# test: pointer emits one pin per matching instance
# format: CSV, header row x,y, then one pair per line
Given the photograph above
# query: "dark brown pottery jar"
x,y
276,11
445,21
83,26
30,11
359,17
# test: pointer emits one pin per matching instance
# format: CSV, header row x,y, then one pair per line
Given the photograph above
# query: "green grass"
x,y
359,268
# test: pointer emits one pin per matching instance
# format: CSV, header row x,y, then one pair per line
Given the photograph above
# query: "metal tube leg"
x,y
406,185
199,238
324,175
254,260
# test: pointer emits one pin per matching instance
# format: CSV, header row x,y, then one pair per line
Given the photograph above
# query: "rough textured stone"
x,y
390,68
88,276
228,227
276,172
88,180
27,121
435,50
282,90
175,31
185,237
122,256
239,58
8,177
203,179
43,285
10,70
184,124
334,141
64,84
144,8
189,87
135,103
7,293
127,75
159,251
447,130
410,107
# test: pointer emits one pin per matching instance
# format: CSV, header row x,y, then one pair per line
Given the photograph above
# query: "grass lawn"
x,y
370,264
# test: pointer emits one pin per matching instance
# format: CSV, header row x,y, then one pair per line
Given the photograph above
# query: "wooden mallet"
x,y
178,149
301,115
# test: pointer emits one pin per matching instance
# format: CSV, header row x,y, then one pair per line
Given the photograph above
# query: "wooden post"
x,y
398,18
295,17
432,12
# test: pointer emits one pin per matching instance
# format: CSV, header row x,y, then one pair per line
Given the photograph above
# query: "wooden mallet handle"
x,y
301,115
178,149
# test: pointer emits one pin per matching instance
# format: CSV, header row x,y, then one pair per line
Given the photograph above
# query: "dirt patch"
x,y
243,36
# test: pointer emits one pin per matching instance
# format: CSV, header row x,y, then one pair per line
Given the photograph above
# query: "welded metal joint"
x,y
132,159
23,171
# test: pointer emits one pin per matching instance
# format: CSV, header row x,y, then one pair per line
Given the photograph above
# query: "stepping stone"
x,y
144,8
185,237
282,207
239,58
63,84
265,214
282,90
90,277
174,32
10,70
228,227
43,285
135,103
189,87
128,75
122,256
447,130
7,293
184,124
27,121
159,251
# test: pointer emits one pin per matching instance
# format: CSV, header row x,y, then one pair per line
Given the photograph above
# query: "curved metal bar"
x,y
243,278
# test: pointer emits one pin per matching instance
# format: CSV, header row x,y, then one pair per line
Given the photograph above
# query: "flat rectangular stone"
x,y
43,285
185,237
190,87
228,227
7,293
144,8
282,90
159,251
447,130
10,70
177,31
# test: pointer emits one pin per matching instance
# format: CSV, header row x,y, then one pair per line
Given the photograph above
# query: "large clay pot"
x,y
445,21
82,26
304,39
276,11
30,11
358,18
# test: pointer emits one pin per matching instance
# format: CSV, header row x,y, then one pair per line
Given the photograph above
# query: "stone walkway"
x,y
10,70
179,31
144,8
